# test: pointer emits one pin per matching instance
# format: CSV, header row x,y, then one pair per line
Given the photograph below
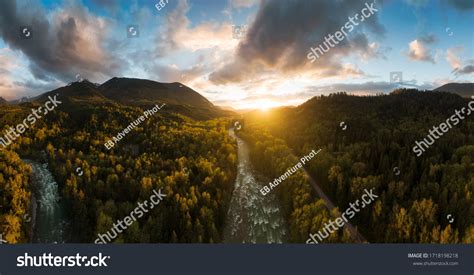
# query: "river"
x,y
49,222
252,217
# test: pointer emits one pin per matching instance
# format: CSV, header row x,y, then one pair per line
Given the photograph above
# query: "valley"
x,y
213,173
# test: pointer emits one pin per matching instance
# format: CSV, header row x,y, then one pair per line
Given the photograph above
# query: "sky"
x,y
242,54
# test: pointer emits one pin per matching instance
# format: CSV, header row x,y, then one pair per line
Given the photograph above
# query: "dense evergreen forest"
x,y
416,194
194,162
303,210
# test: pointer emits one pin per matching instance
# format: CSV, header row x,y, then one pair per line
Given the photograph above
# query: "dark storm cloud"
x,y
59,48
284,30
468,69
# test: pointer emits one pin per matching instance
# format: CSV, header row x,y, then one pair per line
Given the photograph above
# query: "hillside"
x,y
83,91
191,161
178,97
137,92
462,89
2,100
367,142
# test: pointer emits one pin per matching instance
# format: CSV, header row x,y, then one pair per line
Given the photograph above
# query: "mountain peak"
x,y
82,83
178,97
461,89
134,90
82,90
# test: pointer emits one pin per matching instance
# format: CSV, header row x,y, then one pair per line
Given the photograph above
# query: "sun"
x,y
265,106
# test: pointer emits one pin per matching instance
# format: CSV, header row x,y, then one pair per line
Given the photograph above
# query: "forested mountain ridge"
x,y
374,150
138,92
75,92
131,90
194,162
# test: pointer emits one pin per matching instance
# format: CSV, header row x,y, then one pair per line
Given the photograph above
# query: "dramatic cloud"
x,y
179,35
419,52
62,44
283,32
468,69
452,56
259,100
13,83
7,63
206,36
211,41
191,41
172,73
175,21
